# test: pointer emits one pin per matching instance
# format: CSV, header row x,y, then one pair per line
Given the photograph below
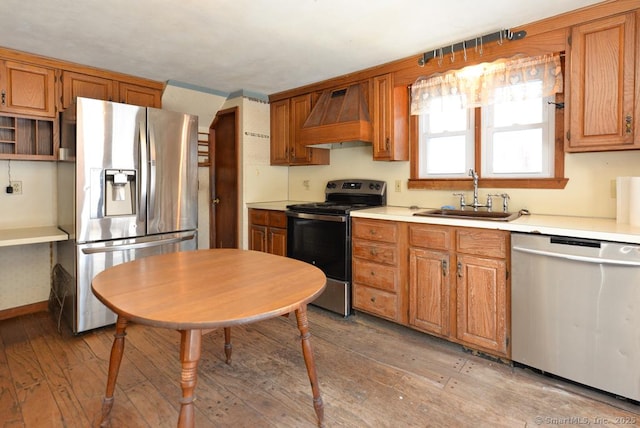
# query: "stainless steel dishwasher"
x,y
576,310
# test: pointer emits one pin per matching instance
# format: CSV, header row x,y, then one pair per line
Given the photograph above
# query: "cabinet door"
x,y
277,241
27,89
258,238
602,91
83,85
390,116
481,293
139,95
300,107
429,294
280,133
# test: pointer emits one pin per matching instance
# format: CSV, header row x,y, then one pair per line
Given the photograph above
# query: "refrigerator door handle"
x,y
144,153
137,246
151,213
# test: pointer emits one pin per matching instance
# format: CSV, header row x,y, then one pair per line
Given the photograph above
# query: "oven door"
x,y
322,240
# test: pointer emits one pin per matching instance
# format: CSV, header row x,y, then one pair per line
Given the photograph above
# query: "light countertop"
x,y
605,229
580,227
31,235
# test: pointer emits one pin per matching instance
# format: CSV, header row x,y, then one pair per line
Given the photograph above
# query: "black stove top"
x,y
343,196
326,207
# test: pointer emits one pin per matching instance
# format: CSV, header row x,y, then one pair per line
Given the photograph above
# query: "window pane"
x,y
518,152
451,118
515,105
446,155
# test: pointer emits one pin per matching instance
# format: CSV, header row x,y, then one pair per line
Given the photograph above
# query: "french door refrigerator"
x,y
127,189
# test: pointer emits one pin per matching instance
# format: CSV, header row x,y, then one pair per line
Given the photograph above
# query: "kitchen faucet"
x,y
476,203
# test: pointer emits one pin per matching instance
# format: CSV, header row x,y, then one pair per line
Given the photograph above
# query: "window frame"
x,y
557,181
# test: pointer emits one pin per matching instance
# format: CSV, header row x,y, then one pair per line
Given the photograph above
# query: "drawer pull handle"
x,y
373,252
373,299
373,273
372,231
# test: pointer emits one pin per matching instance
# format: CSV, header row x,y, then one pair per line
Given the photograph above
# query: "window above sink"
x,y
513,140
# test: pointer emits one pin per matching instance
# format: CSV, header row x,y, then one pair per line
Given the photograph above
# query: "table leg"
x,y
114,367
190,346
307,352
227,344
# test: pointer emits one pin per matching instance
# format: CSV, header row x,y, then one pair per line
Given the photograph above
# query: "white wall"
x,y
36,206
590,191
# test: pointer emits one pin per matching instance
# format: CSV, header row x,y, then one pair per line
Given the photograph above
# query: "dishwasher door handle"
x,y
586,259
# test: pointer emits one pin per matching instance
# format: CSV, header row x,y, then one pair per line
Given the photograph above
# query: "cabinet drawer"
x,y
481,242
429,236
375,301
375,230
376,252
374,275
277,219
259,217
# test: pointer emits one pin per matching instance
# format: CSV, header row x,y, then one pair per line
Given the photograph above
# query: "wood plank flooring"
x,y
372,374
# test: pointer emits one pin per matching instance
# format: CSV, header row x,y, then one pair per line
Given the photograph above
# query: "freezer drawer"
x,y
82,310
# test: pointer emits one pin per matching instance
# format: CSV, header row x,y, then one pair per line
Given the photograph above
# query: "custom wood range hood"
x,y
339,116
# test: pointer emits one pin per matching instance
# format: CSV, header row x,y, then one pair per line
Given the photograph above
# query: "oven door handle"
x,y
323,217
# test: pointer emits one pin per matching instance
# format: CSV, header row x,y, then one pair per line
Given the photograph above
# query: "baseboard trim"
x,y
24,310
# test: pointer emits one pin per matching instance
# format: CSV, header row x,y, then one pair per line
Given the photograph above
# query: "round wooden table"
x,y
199,290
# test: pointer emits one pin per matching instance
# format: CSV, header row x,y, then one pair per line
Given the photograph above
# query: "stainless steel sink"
x,y
470,214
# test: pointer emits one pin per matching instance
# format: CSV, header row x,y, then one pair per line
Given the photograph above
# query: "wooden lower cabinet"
x,y
379,268
268,231
481,307
429,291
459,287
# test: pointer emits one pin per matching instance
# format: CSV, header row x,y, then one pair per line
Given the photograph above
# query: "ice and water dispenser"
x,y
120,192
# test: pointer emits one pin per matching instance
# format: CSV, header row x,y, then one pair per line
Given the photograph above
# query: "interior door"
x,y
223,147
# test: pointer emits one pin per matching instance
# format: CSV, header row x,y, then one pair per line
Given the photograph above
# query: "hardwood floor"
x,y
372,374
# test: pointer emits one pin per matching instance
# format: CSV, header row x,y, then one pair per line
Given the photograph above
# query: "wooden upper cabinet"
x,y
280,132
390,117
27,89
287,118
102,88
140,95
83,85
602,85
299,109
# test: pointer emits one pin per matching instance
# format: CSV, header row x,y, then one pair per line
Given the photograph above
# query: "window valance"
x,y
512,79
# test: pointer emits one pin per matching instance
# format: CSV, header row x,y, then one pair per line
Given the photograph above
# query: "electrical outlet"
x,y
398,185
17,187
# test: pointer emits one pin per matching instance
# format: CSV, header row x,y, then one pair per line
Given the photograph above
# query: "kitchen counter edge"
x,y
273,205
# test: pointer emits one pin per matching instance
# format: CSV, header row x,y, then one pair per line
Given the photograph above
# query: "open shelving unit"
x,y
27,138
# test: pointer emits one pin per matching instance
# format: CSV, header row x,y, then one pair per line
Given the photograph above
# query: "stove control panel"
x,y
349,186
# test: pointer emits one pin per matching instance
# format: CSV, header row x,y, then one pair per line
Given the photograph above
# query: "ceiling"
x,y
259,46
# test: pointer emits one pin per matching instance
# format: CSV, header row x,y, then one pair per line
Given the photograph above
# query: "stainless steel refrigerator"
x,y
127,188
